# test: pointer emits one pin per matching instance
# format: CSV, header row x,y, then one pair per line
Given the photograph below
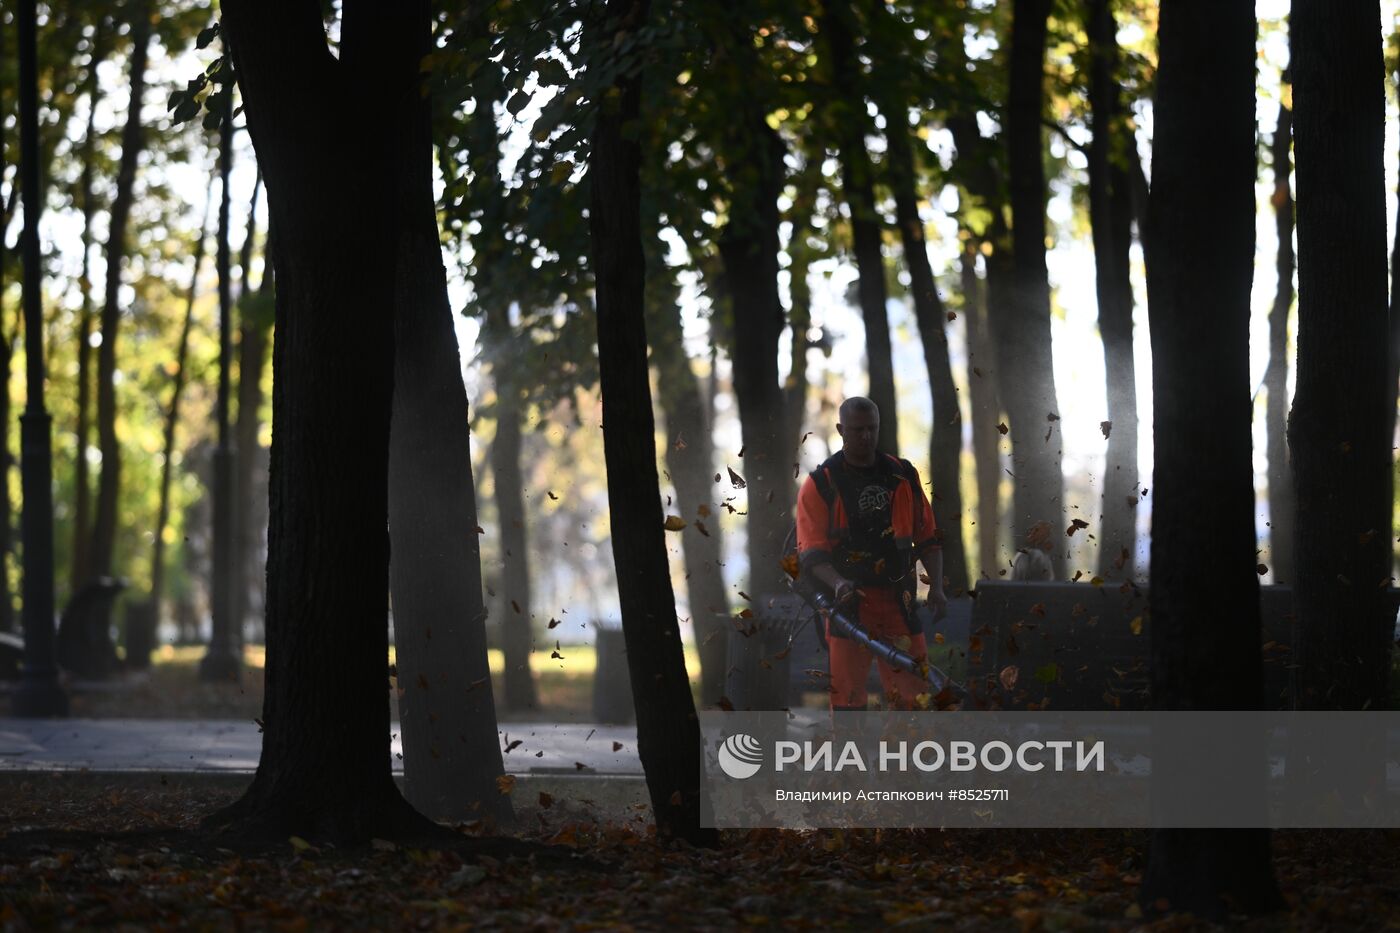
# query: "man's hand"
x,y
938,602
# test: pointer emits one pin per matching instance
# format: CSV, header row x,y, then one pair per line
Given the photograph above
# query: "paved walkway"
x,y
232,746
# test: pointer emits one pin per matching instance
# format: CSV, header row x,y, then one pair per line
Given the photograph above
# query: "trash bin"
x,y
612,684
140,634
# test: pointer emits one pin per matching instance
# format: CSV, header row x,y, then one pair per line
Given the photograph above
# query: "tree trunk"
x,y
517,631
985,409
668,733
252,349
1205,631
748,246
104,530
849,121
1111,214
1340,431
799,314
452,756
1282,505
690,459
79,571
1023,333
945,446
172,418
330,170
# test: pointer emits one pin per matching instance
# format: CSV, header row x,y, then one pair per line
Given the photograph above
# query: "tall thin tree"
x,y
1111,214
668,733
104,531
1282,502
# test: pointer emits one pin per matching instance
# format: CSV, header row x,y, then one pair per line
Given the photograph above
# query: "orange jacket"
x,y
894,523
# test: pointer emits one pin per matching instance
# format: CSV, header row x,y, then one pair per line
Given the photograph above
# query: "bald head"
x,y
859,427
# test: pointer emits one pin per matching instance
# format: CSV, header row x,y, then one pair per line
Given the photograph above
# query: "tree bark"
x,y
452,756
799,313
1205,631
1023,334
1339,430
104,530
985,408
327,133
252,351
849,121
690,459
172,418
668,734
1111,214
748,246
945,445
517,630
1282,504
82,482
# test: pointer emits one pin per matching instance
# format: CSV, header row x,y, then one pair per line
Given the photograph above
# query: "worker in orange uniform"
x,y
862,521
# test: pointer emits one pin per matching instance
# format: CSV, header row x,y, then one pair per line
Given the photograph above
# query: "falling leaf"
x,y
952,315
938,638
1136,625
674,523
680,441
804,438
746,596
300,844
550,493
555,653
512,745
741,451
1077,575
1008,676
1105,427
516,606
546,800
675,799
736,479
700,527
703,510
555,622
1052,417
480,530
1261,569
977,371
1038,609
1074,525
505,783
1003,428
617,746
746,613
1048,674
790,566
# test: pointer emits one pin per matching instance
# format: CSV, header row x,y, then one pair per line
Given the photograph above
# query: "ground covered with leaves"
x,y
80,851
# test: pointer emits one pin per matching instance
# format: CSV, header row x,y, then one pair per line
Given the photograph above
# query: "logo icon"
x,y
740,756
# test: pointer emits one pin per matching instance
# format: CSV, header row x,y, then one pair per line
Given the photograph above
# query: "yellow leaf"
x,y
505,783
1136,625
674,523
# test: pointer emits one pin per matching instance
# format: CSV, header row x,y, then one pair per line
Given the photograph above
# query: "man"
x,y
862,521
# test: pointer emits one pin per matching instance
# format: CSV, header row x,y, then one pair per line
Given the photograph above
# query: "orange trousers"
x,y
883,617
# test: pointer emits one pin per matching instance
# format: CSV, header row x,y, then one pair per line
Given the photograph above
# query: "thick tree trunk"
x,y
1340,430
1111,214
172,418
985,409
1282,504
668,734
330,169
104,531
1023,333
945,446
849,121
1205,631
452,756
749,247
517,630
690,459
